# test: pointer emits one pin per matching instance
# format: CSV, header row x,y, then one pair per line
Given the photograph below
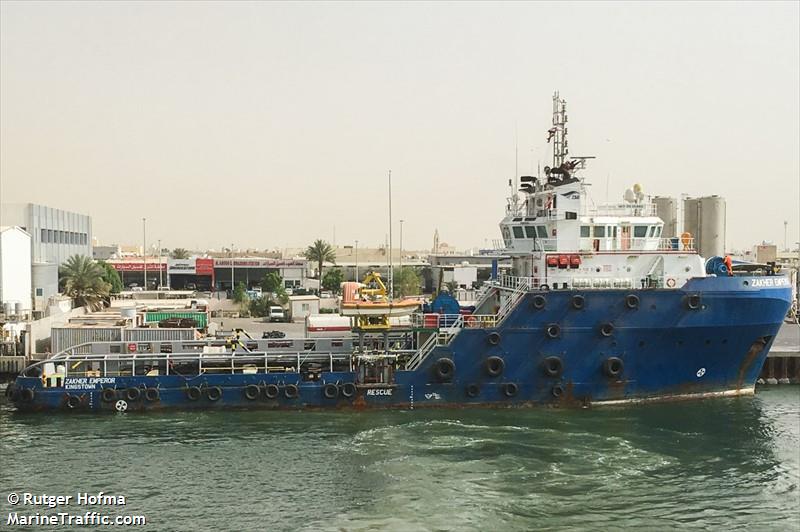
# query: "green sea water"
x,y
715,464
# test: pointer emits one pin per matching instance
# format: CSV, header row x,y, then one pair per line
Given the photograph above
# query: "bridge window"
x,y
584,231
658,231
530,231
599,231
639,231
518,232
652,230
542,231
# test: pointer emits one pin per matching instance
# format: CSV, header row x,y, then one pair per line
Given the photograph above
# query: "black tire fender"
x,y
494,366
552,366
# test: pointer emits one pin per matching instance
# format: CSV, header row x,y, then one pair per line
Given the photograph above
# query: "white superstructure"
x,y
557,237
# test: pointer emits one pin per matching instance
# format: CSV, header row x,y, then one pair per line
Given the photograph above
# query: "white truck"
x,y
276,313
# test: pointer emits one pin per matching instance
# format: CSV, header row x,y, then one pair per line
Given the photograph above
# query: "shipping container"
x,y
62,338
200,317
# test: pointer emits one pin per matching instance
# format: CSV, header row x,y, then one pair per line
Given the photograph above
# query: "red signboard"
x,y
204,266
138,266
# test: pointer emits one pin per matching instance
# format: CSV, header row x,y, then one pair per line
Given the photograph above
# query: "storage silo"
x,y
712,226
667,210
691,218
704,218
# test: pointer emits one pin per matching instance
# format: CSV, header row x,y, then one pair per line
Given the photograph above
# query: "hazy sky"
x,y
267,124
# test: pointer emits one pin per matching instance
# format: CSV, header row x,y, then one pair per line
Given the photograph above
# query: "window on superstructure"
x,y
658,231
652,231
44,235
541,231
639,231
518,232
599,231
584,231
530,231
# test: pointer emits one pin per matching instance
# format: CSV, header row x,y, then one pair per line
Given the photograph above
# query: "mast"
x,y
559,131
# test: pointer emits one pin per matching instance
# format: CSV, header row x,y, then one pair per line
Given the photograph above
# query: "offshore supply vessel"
x,y
597,308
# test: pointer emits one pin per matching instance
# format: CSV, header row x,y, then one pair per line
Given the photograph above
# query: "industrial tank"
x,y
704,218
667,210
712,226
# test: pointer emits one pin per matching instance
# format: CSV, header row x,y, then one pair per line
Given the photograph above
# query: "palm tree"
x,y
180,253
82,281
320,251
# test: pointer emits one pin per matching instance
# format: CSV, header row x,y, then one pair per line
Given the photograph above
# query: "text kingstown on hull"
x,y
597,308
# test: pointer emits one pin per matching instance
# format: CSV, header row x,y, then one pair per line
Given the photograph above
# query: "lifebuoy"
x,y
670,282
152,394
469,321
539,301
494,366
271,391
108,395
193,393
330,390
613,367
553,330
578,302
214,393
445,368
510,389
632,301
473,390
493,338
133,394
348,390
291,391
251,392
552,366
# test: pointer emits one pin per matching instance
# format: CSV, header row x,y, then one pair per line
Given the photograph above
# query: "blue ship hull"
x,y
707,339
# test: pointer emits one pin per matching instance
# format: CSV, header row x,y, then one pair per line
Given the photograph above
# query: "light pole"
x,y
160,278
401,246
232,284
391,269
356,261
144,250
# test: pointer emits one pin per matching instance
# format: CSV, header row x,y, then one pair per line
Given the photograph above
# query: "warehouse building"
x,y
15,271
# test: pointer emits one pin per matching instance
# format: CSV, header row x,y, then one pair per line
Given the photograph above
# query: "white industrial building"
x,y
15,270
56,235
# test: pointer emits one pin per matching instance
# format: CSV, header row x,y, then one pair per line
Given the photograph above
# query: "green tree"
x,y
332,280
240,293
271,282
452,286
180,253
259,307
111,276
82,281
408,282
320,251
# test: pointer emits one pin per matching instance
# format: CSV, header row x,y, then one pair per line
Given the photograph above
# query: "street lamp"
x,y
160,278
232,284
356,261
391,269
401,247
144,250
